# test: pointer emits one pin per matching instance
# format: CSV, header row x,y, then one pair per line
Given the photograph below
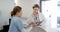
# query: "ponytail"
x,y
12,13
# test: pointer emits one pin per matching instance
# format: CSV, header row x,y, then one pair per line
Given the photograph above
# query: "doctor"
x,y
37,18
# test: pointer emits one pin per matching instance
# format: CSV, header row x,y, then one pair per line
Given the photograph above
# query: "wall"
x,y
5,8
27,6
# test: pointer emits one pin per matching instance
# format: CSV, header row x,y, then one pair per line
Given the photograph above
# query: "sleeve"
x,y
20,25
42,18
28,22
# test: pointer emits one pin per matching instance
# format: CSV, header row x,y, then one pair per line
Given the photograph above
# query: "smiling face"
x,y
35,11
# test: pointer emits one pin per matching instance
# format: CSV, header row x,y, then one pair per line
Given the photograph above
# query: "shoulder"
x,y
15,20
40,14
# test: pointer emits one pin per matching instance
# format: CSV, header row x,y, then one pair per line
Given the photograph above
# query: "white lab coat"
x,y
41,17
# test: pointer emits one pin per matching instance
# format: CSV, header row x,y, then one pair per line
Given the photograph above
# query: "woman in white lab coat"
x,y
36,19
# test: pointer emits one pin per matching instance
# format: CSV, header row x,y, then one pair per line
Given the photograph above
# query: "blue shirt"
x,y
16,25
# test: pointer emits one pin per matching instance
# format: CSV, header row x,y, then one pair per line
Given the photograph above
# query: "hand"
x,y
33,24
38,23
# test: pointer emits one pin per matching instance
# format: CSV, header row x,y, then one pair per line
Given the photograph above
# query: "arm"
x,y
20,25
28,22
42,19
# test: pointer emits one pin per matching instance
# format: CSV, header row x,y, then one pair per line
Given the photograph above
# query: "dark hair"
x,y
36,5
15,10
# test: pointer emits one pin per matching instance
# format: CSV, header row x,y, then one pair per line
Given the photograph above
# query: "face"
x,y
35,11
20,13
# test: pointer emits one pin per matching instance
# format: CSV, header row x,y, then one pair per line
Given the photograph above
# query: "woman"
x,y
16,22
36,20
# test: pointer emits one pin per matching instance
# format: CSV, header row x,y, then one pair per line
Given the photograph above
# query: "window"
x,y
58,14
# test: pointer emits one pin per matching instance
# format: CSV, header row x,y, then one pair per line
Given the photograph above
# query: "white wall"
x,y
5,8
27,6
